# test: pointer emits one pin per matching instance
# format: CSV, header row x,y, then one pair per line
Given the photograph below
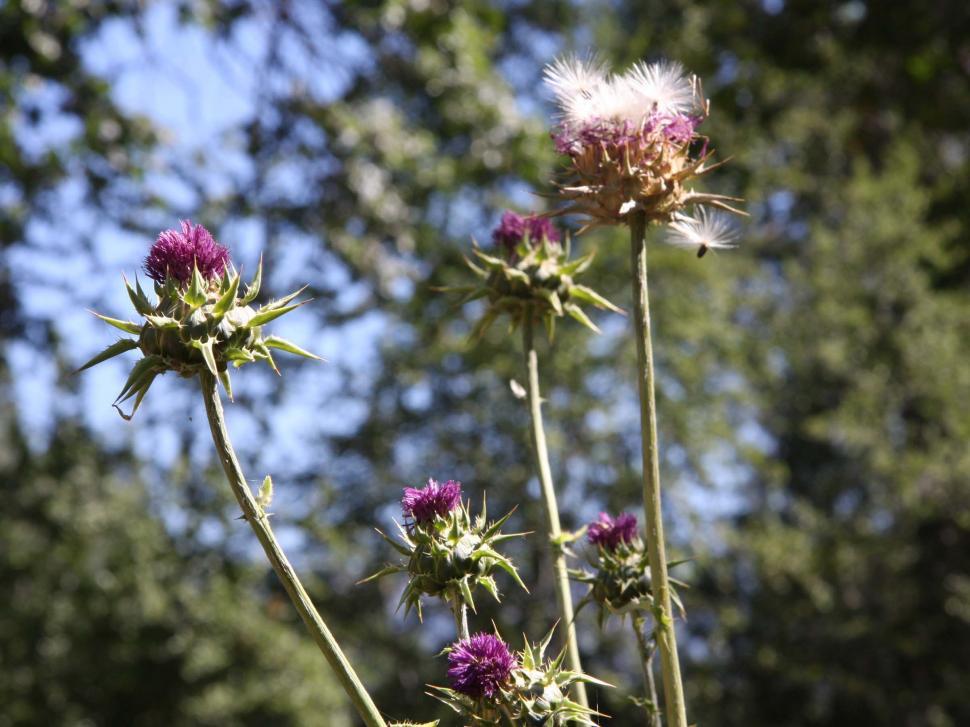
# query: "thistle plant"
x,y
200,321
199,324
492,685
449,553
633,149
619,585
533,279
530,276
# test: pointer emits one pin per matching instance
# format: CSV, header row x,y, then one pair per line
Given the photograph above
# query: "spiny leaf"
x,y
394,544
483,324
576,312
239,355
385,571
227,300
264,315
494,527
208,354
550,323
274,304
578,265
252,290
590,296
226,383
138,372
283,345
138,297
263,351
489,260
142,390
488,583
466,594
194,295
161,322
118,347
126,326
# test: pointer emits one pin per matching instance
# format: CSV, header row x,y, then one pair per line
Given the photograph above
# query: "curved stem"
x,y
664,628
560,574
647,649
254,514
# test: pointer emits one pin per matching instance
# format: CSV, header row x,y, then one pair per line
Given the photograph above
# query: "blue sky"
x,y
200,92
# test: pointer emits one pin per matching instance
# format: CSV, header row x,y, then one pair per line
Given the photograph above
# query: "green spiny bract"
x,y
449,556
537,280
537,694
620,581
201,326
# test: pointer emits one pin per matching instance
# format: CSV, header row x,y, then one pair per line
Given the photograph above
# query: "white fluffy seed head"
x,y
572,77
710,229
663,85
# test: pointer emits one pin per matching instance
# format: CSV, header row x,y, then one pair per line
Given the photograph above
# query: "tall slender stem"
x,y
554,531
460,609
647,649
257,518
664,627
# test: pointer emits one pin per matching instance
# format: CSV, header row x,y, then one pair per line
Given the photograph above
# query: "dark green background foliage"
x,y
814,385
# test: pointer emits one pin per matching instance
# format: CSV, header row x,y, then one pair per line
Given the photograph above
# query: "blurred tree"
x,y
108,622
813,383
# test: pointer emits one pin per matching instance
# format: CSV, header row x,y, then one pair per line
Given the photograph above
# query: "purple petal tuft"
x,y
431,501
610,532
513,228
175,252
481,665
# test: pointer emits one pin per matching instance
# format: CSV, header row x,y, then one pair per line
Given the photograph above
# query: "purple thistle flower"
x,y
539,228
679,128
431,501
610,532
509,232
513,228
479,666
174,254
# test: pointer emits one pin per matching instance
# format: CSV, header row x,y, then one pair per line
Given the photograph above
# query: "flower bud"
x,y
620,580
448,552
199,321
631,139
488,681
531,277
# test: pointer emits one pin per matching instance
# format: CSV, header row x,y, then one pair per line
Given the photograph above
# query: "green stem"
x,y
257,518
560,573
664,627
460,609
648,648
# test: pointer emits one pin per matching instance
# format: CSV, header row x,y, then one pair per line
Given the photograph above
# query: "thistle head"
x,y
531,231
609,532
632,139
433,500
198,320
177,252
489,681
531,277
619,579
481,666
448,553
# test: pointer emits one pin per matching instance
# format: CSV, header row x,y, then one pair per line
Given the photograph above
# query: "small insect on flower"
x,y
632,140
709,230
